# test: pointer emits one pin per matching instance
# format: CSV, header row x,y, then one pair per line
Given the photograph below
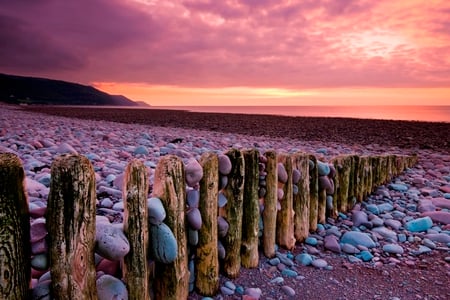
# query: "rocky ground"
x,y
390,257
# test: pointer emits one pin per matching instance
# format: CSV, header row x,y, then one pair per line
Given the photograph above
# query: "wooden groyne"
x,y
270,198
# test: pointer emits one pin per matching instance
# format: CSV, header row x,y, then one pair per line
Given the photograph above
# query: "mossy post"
x,y
313,193
234,192
135,226
251,215
71,209
285,216
301,201
269,213
172,280
15,269
207,259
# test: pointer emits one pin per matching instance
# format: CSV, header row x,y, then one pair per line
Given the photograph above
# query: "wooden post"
x,y
285,217
234,192
71,228
172,280
207,259
321,207
301,200
343,165
313,194
135,226
15,269
250,218
270,205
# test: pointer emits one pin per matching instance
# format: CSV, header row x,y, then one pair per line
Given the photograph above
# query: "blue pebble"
x,y
343,216
274,261
289,273
323,168
304,259
447,195
322,150
141,150
385,207
320,227
312,241
365,255
420,224
373,209
290,256
399,187
401,237
240,290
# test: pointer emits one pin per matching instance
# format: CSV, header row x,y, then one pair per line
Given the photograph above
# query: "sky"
x,y
229,52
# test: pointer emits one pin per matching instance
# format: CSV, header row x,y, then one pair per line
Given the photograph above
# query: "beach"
x,y
111,137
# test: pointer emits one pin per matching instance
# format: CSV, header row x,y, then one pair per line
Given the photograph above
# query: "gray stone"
x,y
356,238
111,288
111,242
393,249
156,211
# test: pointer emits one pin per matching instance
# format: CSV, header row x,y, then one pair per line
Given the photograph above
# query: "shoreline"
x,y
412,135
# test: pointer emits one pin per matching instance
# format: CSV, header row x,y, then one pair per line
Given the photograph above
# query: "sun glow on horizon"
x,y
165,95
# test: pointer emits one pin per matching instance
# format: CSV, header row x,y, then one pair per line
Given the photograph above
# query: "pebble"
x,y
420,224
110,288
319,263
393,249
356,238
288,291
111,242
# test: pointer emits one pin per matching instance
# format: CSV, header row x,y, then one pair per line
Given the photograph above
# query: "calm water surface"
x,y
409,113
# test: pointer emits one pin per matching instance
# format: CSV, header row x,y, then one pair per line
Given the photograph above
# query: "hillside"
x,y
32,90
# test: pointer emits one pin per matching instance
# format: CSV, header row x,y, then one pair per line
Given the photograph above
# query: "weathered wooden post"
x,y
321,207
270,205
234,192
71,227
285,217
343,165
172,280
207,259
301,199
250,218
15,269
313,193
135,226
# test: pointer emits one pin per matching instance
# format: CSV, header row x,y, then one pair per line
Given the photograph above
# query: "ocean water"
x,y
406,113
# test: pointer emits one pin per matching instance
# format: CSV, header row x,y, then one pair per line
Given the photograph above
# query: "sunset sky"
x,y
249,52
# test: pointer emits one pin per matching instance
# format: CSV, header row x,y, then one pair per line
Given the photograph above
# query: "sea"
x,y
390,112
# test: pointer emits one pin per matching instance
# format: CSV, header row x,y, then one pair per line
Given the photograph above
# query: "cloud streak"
x,y
217,44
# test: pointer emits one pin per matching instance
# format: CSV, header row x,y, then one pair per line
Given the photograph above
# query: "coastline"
x,y
412,135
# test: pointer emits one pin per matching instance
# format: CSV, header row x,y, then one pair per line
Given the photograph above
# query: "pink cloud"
x,y
286,44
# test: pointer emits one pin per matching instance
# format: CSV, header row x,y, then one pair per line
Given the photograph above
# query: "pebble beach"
x,y
402,226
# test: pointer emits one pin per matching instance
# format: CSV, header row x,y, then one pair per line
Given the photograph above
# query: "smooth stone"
x,y
331,243
394,224
194,172
108,266
296,176
163,246
290,292
223,182
304,258
446,195
284,259
326,183
428,243
222,226
311,241
222,201
65,148
329,201
373,209
111,288
226,291
141,150
350,249
295,189
376,221
420,224
401,237
441,202
358,238
385,233
438,216
365,255
111,242
289,273
280,194
359,218
398,187
274,261
323,168
277,280
194,218
40,262
193,198
224,164
253,292
319,263
41,291
393,249
38,230
192,237
385,207
439,237
156,211
354,259
220,250
422,250
282,174
39,247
